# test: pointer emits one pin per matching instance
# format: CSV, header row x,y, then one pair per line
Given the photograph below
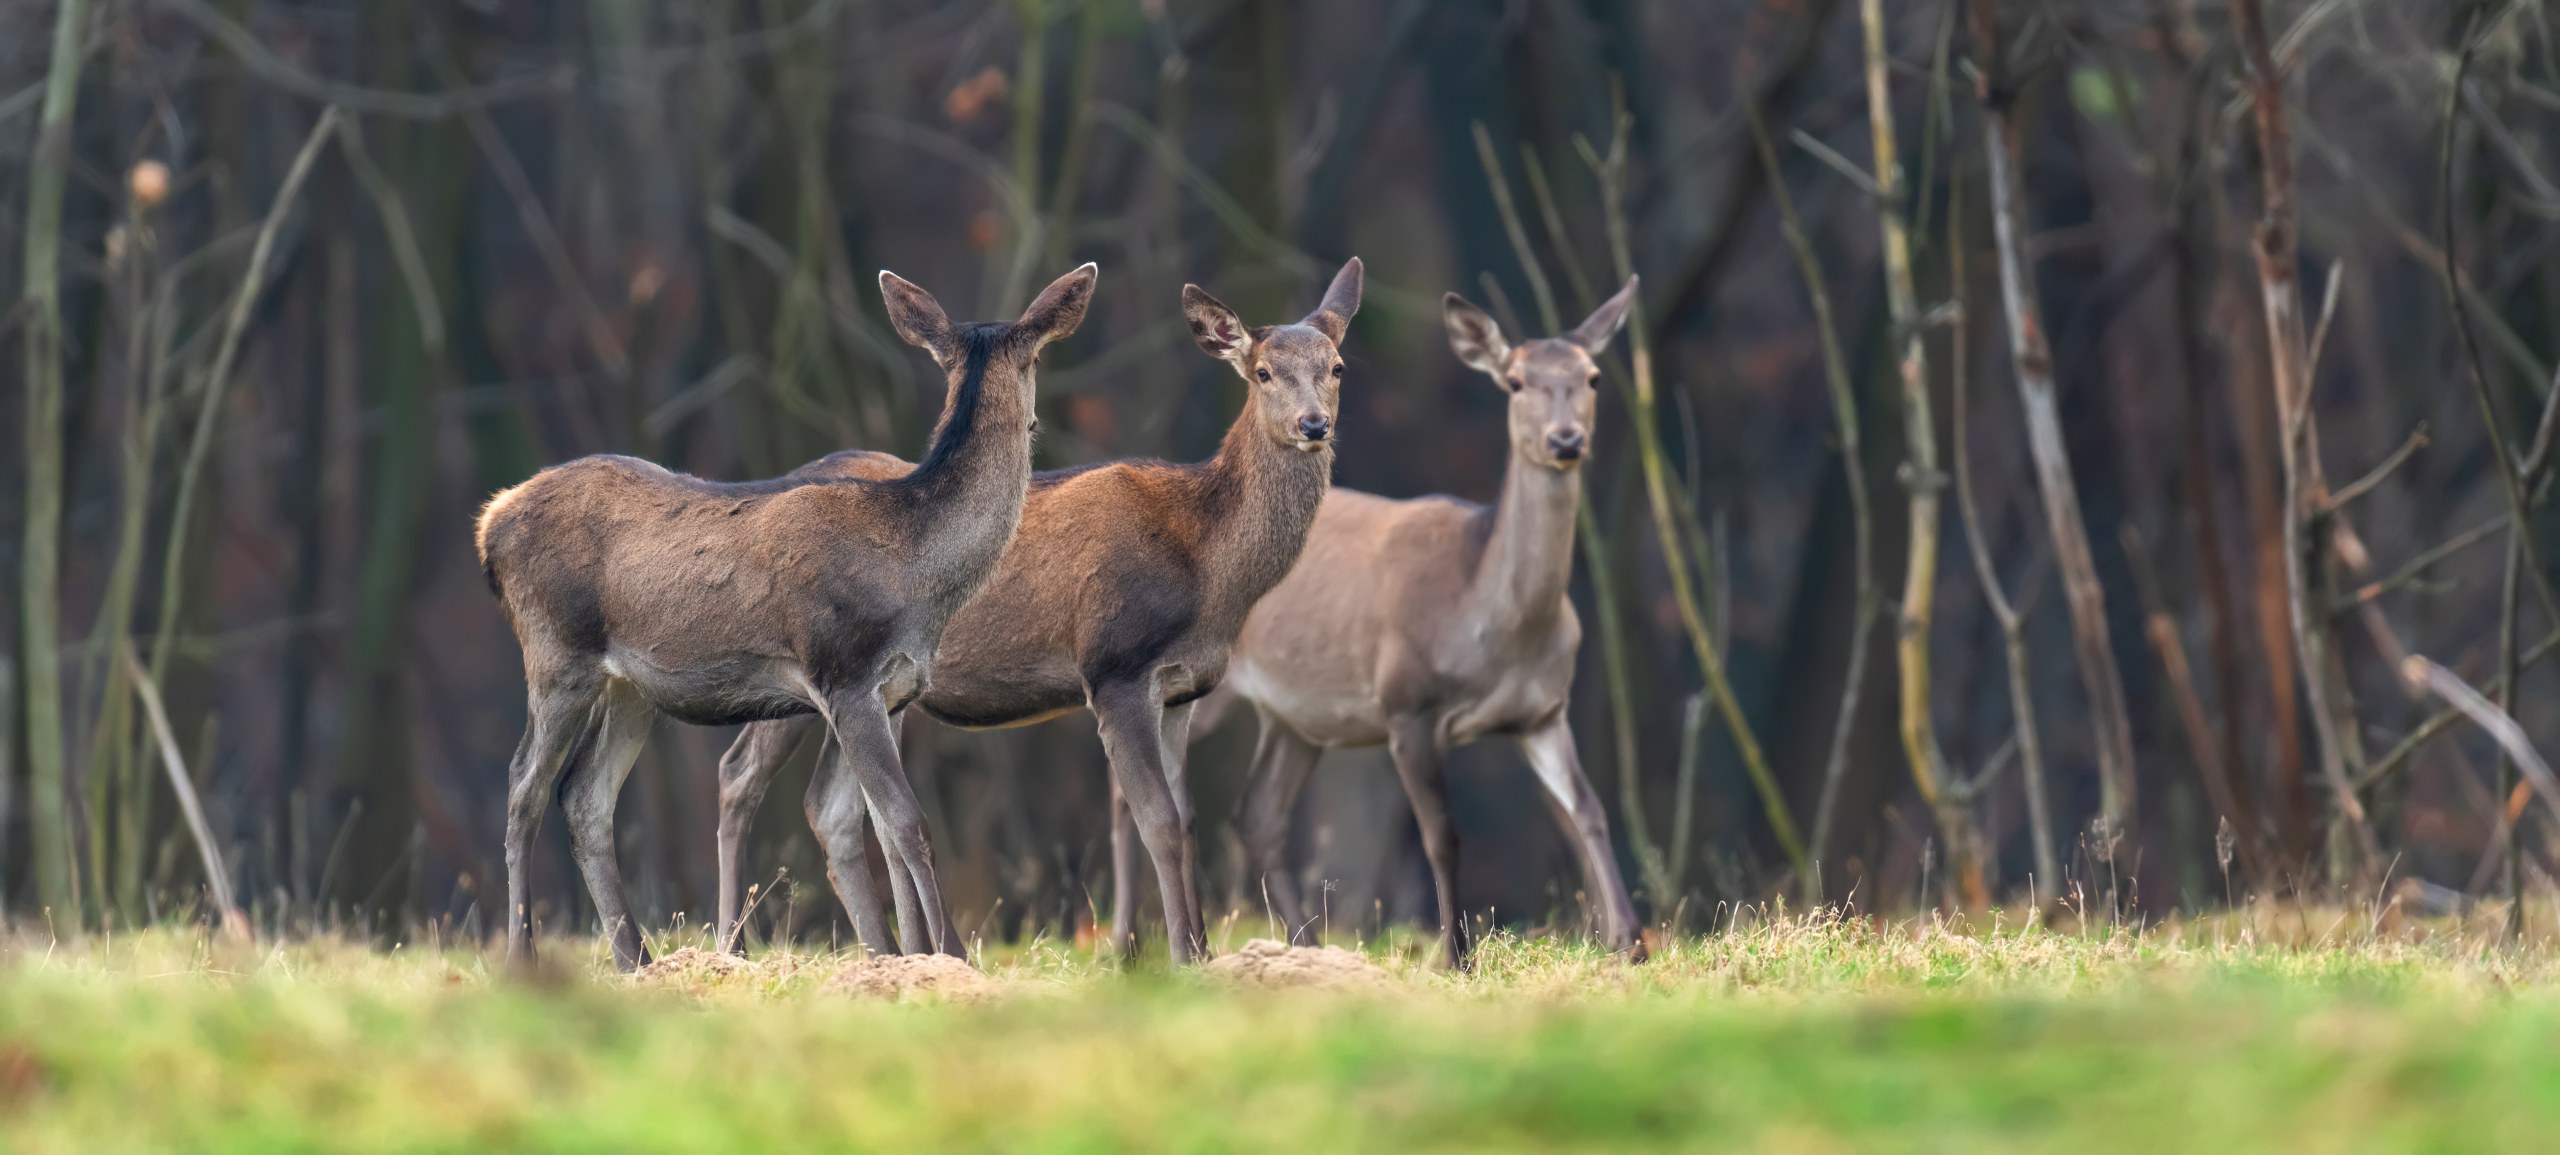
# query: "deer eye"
x,y
1262,374
1337,369
1515,383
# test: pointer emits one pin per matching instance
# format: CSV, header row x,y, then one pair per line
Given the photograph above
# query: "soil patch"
x,y
1267,963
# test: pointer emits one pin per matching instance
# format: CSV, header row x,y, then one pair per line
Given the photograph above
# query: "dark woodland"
x,y
2118,483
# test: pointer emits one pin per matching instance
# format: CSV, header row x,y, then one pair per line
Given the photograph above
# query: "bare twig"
x,y
602,342
1844,412
2443,720
2289,353
285,75
1947,802
2365,484
2419,565
2420,672
1611,171
2085,597
2202,742
2022,706
217,877
217,382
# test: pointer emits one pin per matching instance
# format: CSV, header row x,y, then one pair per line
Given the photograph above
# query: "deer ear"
x,y
1341,303
1059,308
1595,330
1474,336
915,315
1215,326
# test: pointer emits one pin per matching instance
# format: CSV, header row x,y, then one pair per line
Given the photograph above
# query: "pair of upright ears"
x,y
1053,314
1225,336
1479,343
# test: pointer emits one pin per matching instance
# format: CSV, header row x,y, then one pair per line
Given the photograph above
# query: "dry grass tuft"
x,y
1266,963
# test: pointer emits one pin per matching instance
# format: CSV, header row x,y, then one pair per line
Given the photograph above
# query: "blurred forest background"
x,y
293,286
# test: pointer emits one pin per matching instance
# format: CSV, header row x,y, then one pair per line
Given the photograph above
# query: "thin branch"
x,y
218,380
605,344
2439,722
2032,358
2365,484
2022,706
285,75
1847,168
2420,672
2419,565
216,876
2289,362
405,253
1511,226
1844,410
1611,172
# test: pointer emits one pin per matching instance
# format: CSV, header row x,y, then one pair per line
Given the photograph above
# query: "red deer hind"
x,y
1430,623
1123,593
636,591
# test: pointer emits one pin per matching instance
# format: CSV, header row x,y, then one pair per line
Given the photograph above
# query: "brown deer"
x,y
636,591
1122,593
1430,623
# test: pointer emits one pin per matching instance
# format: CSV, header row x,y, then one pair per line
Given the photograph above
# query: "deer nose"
x,y
1314,426
1566,444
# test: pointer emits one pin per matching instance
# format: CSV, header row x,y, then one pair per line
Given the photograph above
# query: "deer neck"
x,y
1265,499
971,482
1528,556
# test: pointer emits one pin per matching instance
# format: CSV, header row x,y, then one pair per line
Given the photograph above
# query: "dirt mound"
x,y
903,978
1266,963
692,968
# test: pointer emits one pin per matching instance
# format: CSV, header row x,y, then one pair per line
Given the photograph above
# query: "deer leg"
x,y
587,793
1281,762
1551,753
1417,756
1173,748
746,772
836,815
868,745
1124,876
1131,717
556,727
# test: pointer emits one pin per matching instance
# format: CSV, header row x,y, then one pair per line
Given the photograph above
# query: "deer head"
x,y
1295,371
1550,380
971,354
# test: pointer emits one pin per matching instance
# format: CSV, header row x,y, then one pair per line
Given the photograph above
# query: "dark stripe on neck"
x,y
960,419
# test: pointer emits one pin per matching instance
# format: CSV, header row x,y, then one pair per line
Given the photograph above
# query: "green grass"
x,y
1793,1035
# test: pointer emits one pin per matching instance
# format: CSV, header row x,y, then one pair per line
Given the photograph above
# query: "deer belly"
x,y
1326,715
720,693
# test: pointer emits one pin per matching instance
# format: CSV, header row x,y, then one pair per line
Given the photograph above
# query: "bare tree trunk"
x,y
40,563
2289,351
1919,425
2099,676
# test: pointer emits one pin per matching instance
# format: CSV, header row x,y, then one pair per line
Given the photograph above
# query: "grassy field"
x,y
2292,1032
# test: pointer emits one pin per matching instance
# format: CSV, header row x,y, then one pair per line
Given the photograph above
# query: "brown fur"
x,y
1123,591
636,591
1432,622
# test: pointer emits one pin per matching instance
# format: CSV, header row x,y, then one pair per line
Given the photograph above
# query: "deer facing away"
x,y
1123,592
636,591
1433,622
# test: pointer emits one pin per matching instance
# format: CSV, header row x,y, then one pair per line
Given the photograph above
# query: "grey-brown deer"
x,y
1429,623
637,591
1122,593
